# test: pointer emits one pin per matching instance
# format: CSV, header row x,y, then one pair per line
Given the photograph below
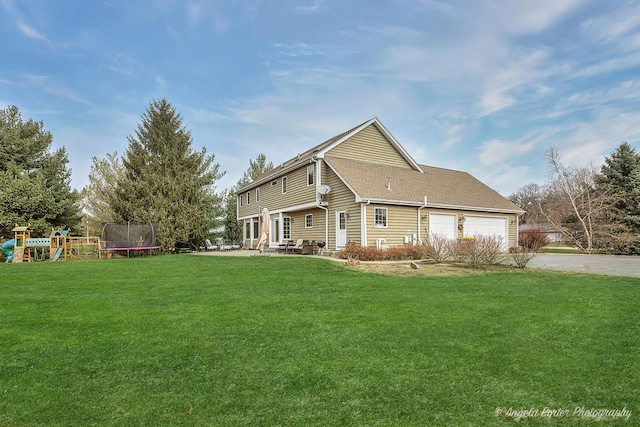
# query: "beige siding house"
x,y
362,186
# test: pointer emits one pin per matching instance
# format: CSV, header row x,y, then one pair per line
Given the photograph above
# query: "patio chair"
x,y
297,248
284,246
309,248
209,246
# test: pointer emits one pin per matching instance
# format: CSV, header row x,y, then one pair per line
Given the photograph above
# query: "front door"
x,y
341,229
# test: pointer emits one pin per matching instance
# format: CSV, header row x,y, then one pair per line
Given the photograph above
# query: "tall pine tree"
x,y
166,181
35,184
620,174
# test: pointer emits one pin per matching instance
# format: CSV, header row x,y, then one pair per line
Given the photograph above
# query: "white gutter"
x,y
474,208
437,205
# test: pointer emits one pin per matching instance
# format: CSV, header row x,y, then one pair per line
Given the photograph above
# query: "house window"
x,y
247,230
286,228
284,184
240,199
256,229
248,197
257,194
310,174
308,221
380,217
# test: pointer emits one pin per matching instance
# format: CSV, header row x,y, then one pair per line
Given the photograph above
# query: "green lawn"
x,y
275,341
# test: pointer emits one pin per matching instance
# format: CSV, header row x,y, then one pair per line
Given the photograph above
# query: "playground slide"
x,y
7,248
56,255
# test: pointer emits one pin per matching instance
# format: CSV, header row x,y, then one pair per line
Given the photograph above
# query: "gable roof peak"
x,y
319,151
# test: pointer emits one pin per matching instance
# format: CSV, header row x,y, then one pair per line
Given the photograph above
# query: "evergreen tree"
x,y
257,168
35,184
620,174
166,181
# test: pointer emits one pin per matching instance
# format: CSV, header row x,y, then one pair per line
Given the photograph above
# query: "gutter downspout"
x,y
238,215
420,225
517,230
363,223
326,210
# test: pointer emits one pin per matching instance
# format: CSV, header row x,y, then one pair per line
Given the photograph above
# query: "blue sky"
x,y
484,86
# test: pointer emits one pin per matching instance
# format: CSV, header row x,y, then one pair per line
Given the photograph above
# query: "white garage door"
x,y
486,226
444,225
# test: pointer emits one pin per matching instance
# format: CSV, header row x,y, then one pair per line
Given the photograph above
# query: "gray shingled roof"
x,y
443,187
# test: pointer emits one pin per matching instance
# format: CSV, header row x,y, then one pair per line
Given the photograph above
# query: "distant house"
x,y
553,235
362,186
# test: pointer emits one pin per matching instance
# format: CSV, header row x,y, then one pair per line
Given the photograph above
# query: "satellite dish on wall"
x,y
323,189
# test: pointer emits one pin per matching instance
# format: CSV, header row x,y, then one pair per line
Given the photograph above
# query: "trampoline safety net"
x,y
129,235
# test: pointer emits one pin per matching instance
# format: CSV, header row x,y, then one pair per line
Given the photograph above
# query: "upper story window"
x,y
258,194
248,197
308,221
311,170
284,184
240,197
380,217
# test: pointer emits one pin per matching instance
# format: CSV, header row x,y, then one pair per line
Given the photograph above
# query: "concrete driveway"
x,y
595,264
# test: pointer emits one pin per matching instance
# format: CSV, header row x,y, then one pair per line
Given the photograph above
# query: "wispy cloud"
x,y
160,81
500,152
48,85
222,14
613,27
595,99
313,7
123,64
31,32
295,49
20,22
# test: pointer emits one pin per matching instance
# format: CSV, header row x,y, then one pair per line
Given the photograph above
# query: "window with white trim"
x,y
256,229
240,197
286,228
258,194
308,221
380,217
248,197
284,184
311,171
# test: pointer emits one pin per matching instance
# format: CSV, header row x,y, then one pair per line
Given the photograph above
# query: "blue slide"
x,y
56,255
7,248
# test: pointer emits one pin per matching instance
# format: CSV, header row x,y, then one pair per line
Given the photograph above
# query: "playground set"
x,y
25,248
122,238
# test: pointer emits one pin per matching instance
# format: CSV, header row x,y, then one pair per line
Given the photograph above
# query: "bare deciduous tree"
x,y
528,198
573,204
99,195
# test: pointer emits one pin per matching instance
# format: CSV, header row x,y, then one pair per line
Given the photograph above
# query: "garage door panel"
x,y
444,225
486,226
